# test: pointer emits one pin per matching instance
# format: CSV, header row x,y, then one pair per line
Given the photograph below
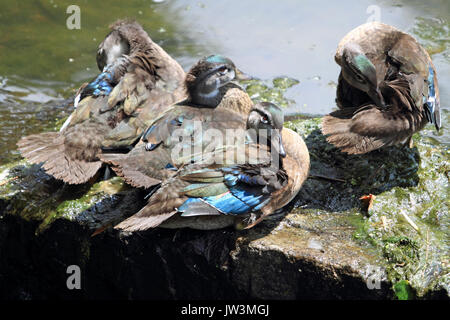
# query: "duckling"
x,y
214,104
138,81
211,195
387,90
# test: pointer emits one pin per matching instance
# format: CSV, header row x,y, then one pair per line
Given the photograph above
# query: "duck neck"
x,y
137,38
208,98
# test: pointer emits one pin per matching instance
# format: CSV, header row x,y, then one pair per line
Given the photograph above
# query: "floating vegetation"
x,y
271,91
434,34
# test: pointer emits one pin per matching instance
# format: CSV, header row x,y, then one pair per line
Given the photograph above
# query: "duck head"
x,y
205,80
267,119
112,47
125,37
360,72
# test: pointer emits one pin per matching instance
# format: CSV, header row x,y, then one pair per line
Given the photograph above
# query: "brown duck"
x,y
214,195
387,90
214,104
138,81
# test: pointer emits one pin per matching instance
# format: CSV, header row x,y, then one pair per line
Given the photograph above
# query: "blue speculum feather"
x,y
363,62
430,104
238,200
234,202
261,205
101,85
249,198
228,203
177,121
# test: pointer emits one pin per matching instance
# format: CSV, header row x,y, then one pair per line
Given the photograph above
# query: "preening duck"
x,y
138,81
387,90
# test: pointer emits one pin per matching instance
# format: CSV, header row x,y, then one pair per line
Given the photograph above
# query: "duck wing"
x,y
359,130
198,190
179,136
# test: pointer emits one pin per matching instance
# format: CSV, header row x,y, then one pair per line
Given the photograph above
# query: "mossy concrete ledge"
x,y
326,244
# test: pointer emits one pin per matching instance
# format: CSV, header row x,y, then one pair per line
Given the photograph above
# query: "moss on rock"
x,y
322,245
408,224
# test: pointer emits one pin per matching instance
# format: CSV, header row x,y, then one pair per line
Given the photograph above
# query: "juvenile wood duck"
x,y
387,90
138,81
214,104
210,195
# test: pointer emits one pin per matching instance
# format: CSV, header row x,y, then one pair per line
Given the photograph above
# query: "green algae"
x,y
35,196
411,182
403,290
434,35
71,209
284,83
95,194
271,91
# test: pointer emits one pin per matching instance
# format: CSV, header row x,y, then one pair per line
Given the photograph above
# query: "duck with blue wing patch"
x,y
138,80
214,105
387,90
229,192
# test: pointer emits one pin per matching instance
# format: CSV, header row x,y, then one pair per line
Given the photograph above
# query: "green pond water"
x,y
289,46
42,61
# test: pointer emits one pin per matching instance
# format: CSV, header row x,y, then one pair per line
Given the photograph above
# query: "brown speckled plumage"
x,y
402,70
280,184
296,164
142,168
147,80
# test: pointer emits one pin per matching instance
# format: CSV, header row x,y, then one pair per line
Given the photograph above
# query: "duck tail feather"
x,y
141,222
128,171
48,148
338,129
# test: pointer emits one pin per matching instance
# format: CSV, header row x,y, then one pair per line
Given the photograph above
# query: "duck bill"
x,y
241,76
278,143
281,150
377,98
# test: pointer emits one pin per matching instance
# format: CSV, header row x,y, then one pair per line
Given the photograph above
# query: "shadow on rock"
x,y
337,180
32,193
318,255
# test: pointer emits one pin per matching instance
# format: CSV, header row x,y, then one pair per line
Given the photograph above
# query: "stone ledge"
x,y
322,246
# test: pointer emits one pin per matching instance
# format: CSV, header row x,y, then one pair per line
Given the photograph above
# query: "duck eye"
x,y
223,70
356,74
264,119
359,78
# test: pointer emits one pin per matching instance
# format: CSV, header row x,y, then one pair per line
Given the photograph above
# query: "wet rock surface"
x,y
323,245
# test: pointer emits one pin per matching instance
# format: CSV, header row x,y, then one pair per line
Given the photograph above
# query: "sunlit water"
x,y
42,61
